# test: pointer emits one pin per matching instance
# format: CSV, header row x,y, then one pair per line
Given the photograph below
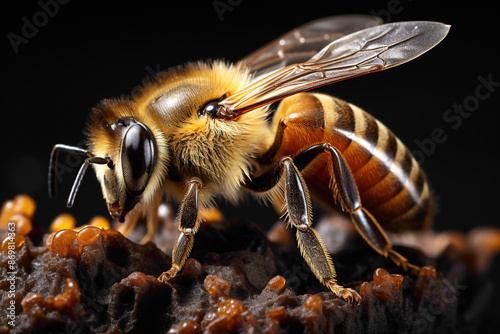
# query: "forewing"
x,y
300,44
366,51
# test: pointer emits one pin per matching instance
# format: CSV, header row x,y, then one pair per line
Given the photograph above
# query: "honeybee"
x,y
203,130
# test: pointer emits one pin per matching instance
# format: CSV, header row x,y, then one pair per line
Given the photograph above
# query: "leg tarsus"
x,y
402,261
375,236
349,295
314,252
189,223
171,273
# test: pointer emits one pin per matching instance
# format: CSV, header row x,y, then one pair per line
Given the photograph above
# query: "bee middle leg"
x,y
189,224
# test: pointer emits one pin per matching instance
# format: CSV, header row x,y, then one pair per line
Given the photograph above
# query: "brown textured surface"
x,y
97,281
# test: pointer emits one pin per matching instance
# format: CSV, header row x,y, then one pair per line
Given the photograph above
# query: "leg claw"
x,y
349,295
167,275
400,260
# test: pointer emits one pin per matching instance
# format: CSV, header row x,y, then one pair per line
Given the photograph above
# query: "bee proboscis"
x,y
202,130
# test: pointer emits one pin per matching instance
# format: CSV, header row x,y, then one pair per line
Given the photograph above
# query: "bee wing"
x,y
302,43
366,51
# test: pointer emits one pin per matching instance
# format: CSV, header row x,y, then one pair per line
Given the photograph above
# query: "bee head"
x,y
117,133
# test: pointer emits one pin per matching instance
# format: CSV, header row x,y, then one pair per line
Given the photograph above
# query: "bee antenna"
x,y
53,164
81,174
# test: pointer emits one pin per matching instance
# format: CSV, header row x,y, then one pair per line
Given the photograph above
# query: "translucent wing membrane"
x,y
302,43
362,52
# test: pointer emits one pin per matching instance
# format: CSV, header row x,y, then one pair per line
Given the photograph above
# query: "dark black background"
x,y
87,51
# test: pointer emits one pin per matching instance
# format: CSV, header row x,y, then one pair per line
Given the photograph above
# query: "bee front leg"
x,y
152,220
188,226
131,220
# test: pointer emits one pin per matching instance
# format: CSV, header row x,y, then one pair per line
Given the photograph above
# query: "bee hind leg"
x,y
189,224
347,194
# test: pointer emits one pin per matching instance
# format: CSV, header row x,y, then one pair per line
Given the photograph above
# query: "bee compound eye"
x,y
210,109
137,158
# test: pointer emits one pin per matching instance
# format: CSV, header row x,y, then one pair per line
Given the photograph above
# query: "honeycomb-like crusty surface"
x,y
91,279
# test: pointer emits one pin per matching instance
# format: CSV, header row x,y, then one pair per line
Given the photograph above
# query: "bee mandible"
x,y
202,130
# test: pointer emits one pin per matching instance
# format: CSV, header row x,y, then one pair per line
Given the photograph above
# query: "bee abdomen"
x,y
391,184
